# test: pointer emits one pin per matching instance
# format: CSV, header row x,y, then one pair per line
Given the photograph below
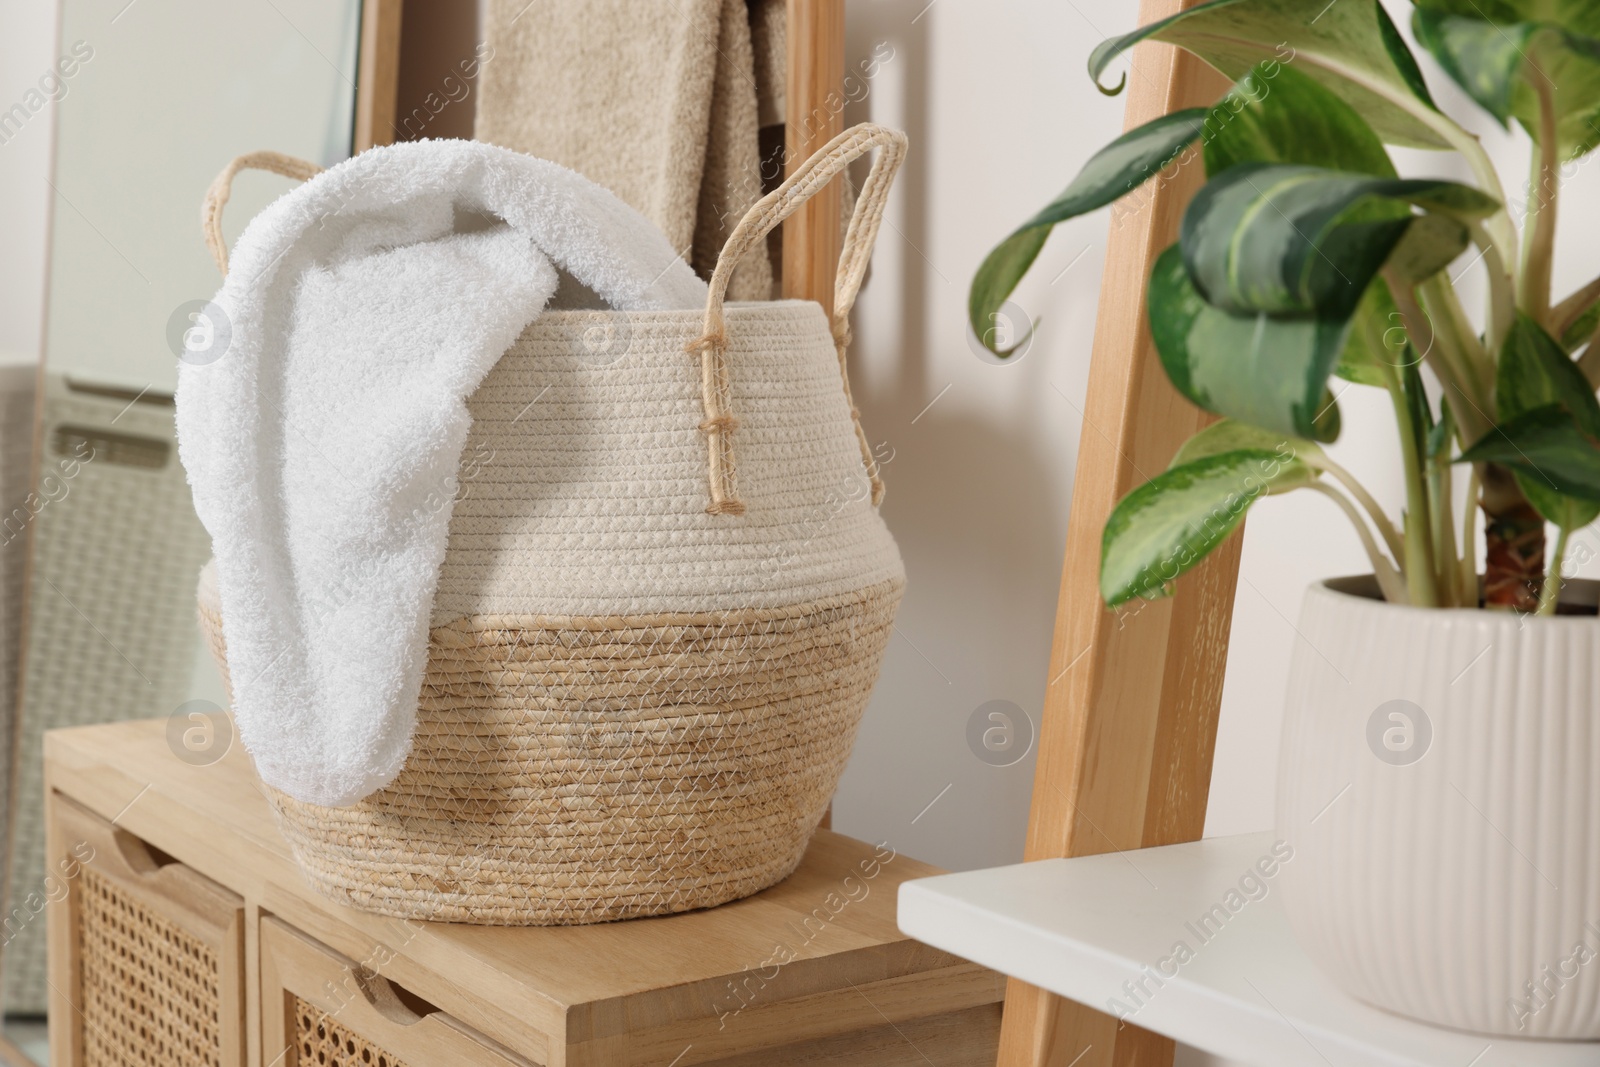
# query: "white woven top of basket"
x,y
583,482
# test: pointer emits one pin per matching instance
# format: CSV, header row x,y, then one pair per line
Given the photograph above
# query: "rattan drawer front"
x,y
320,1039
149,992
319,1009
153,967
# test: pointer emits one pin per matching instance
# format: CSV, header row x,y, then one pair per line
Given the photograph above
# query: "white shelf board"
x,y
1081,928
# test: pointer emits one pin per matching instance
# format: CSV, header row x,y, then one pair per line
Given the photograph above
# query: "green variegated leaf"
x,y
1421,415
1582,328
1350,46
1268,371
1550,426
997,279
1275,114
1228,435
1358,365
1546,447
1280,115
1430,244
1534,371
1171,522
1579,16
1501,54
1285,238
1568,512
1111,173
1327,422
1375,337
1441,433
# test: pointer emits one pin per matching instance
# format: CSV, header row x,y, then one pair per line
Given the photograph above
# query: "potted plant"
x,y
1440,772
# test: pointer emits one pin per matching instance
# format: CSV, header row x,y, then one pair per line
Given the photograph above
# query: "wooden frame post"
x,y
813,116
378,73
1130,713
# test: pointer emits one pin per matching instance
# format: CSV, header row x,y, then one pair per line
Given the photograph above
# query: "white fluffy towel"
x,y
322,445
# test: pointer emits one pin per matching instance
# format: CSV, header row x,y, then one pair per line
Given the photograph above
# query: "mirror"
x,y
152,98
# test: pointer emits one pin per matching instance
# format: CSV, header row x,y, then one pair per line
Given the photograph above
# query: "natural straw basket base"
x,y
578,770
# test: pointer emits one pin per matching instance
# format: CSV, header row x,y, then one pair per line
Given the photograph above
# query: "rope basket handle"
x,y
751,232
763,217
222,187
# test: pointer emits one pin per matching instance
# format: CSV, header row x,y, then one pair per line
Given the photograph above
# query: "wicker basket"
x,y
644,675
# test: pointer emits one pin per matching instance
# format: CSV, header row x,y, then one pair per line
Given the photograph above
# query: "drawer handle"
x,y
141,857
400,1006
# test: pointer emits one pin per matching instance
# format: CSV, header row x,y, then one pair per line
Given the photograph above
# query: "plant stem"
x,y
1394,589
1498,226
1441,510
1450,341
1443,355
1469,539
1502,301
1472,361
1417,564
1550,595
1539,231
1391,536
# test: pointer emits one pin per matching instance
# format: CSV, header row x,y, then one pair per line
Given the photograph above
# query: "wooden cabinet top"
x,y
818,952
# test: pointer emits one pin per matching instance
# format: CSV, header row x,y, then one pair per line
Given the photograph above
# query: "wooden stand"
x,y
186,863
379,73
1130,716
813,116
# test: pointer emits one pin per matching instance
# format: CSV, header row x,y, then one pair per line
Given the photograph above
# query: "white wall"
x,y
979,482
1001,114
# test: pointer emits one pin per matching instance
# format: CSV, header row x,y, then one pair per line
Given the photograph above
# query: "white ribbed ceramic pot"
x,y
1440,783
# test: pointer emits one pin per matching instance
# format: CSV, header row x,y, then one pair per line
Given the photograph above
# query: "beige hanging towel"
x,y
769,38
657,102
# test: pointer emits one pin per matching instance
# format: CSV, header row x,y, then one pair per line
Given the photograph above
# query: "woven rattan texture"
x,y
321,1041
573,770
583,484
150,994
